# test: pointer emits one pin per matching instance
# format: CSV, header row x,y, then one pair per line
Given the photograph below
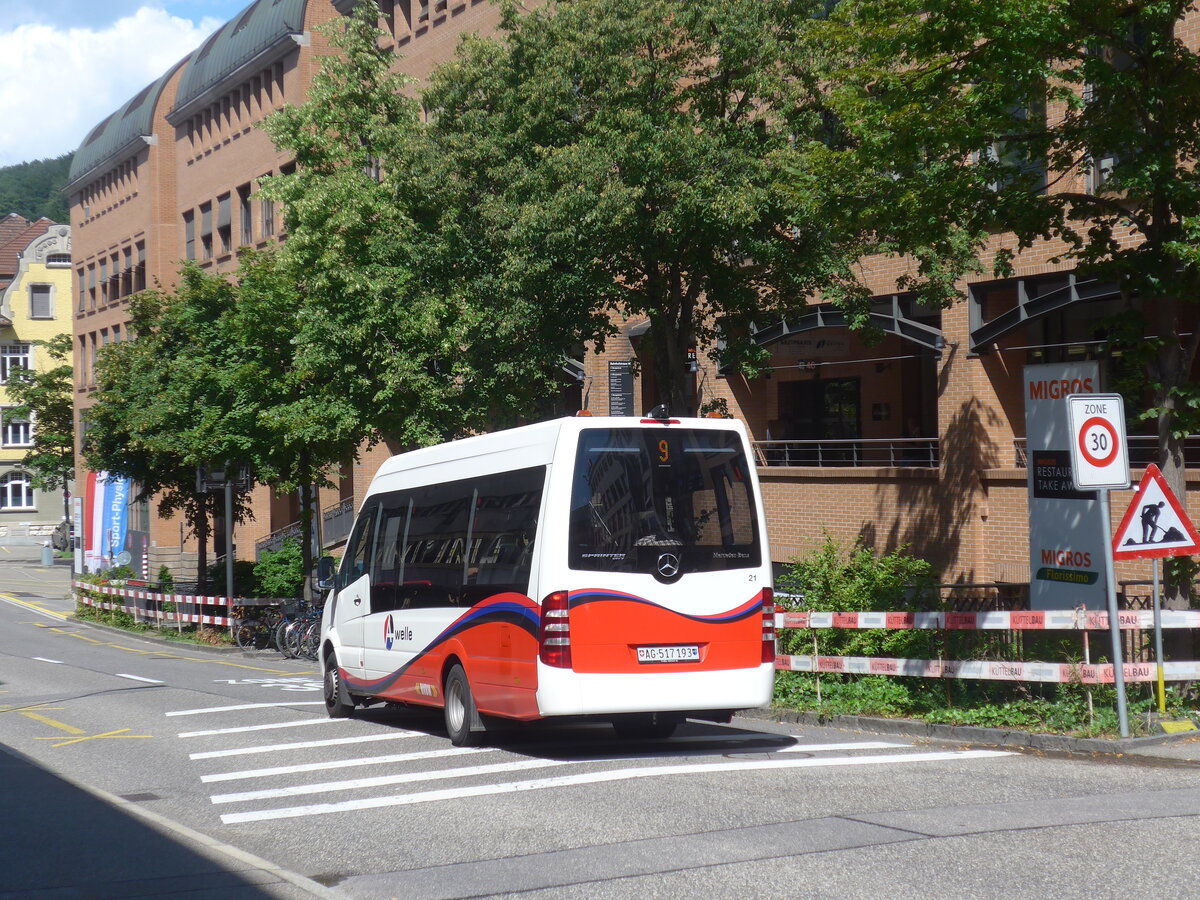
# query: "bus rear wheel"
x,y
645,726
337,699
463,723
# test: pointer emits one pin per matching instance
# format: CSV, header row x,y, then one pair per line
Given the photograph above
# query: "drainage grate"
x,y
140,798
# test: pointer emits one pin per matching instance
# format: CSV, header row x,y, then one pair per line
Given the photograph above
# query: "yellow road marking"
x,y
120,733
40,607
69,729
22,709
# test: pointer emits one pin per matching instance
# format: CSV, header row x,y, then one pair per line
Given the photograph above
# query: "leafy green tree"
x,y
1069,125
386,348
607,159
161,410
46,396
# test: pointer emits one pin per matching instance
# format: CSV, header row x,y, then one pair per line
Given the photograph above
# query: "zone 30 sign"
x,y
1099,456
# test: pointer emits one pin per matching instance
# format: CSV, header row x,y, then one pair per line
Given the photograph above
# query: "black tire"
x,y
338,703
245,633
645,726
462,718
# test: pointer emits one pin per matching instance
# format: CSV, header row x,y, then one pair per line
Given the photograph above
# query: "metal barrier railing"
x,y
850,452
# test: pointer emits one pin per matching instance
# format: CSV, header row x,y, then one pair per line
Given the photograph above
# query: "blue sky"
x,y
66,64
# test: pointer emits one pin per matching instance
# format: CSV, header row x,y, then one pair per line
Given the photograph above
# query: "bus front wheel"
x,y
337,699
462,718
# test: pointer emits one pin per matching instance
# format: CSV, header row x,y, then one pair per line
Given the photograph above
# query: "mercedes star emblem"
x,y
668,565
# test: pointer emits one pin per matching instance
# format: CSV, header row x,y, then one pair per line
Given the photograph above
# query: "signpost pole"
x,y
1114,622
1158,642
228,533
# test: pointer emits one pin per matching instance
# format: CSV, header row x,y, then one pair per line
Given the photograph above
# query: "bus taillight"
x,y
768,637
554,634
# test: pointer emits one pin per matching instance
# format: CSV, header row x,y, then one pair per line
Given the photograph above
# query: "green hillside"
x,y
33,189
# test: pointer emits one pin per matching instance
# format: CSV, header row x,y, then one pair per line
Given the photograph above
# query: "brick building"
x,y
918,440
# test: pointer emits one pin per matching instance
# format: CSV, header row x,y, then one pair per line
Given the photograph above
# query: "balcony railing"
x,y
336,521
1143,450
858,452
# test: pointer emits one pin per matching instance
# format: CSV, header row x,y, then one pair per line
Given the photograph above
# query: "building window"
x,y
189,235
92,286
206,230
268,217
58,260
82,291
16,492
246,215
103,281
127,273
225,223
12,356
15,431
139,272
41,301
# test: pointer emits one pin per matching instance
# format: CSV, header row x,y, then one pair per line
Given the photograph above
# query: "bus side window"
x,y
437,538
503,532
386,565
354,563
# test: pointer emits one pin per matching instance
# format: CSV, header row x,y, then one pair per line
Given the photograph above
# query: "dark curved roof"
x,y
253,30
116,132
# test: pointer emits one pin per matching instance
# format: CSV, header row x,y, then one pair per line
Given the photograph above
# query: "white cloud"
x,y
57,83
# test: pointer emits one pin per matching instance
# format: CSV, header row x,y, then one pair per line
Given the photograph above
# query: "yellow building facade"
x,y
35,306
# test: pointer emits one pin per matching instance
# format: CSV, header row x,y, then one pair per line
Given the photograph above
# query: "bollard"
x,y
47,554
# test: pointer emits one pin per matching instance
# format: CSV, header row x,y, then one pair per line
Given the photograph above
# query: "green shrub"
x,y
244,582
280,573
837,579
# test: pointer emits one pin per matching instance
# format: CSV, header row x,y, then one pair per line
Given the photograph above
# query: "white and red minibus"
x,y
607,567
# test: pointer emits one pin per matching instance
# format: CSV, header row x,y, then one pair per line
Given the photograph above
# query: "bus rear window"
x,y
638,493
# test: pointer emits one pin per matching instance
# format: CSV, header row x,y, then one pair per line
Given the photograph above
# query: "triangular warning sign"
x,y
1155,523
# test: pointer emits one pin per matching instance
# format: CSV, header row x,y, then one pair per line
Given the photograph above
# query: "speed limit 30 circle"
x,y
1098,441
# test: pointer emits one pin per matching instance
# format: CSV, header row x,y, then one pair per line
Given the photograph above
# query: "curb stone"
x,y
972,734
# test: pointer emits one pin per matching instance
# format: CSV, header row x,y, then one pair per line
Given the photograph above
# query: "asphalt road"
x,y
218,772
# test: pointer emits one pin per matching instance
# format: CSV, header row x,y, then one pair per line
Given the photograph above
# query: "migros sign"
x,y
1057,389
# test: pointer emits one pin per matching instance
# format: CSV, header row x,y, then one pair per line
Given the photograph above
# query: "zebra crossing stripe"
x,y
216,709
245,728
353,784
597,778
307,745
340,764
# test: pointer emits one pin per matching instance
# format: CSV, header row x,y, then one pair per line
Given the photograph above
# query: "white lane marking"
x,y
596,778
861,745
353,784
305,745
342,764
321,721
138,678
214,709
57,662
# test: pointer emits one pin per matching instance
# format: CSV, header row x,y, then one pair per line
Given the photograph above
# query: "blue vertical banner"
x,y
116,515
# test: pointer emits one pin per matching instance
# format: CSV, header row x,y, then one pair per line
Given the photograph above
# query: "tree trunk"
x,y
1173,364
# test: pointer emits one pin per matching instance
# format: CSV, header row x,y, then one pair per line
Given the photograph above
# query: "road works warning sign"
x,y
1155,524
